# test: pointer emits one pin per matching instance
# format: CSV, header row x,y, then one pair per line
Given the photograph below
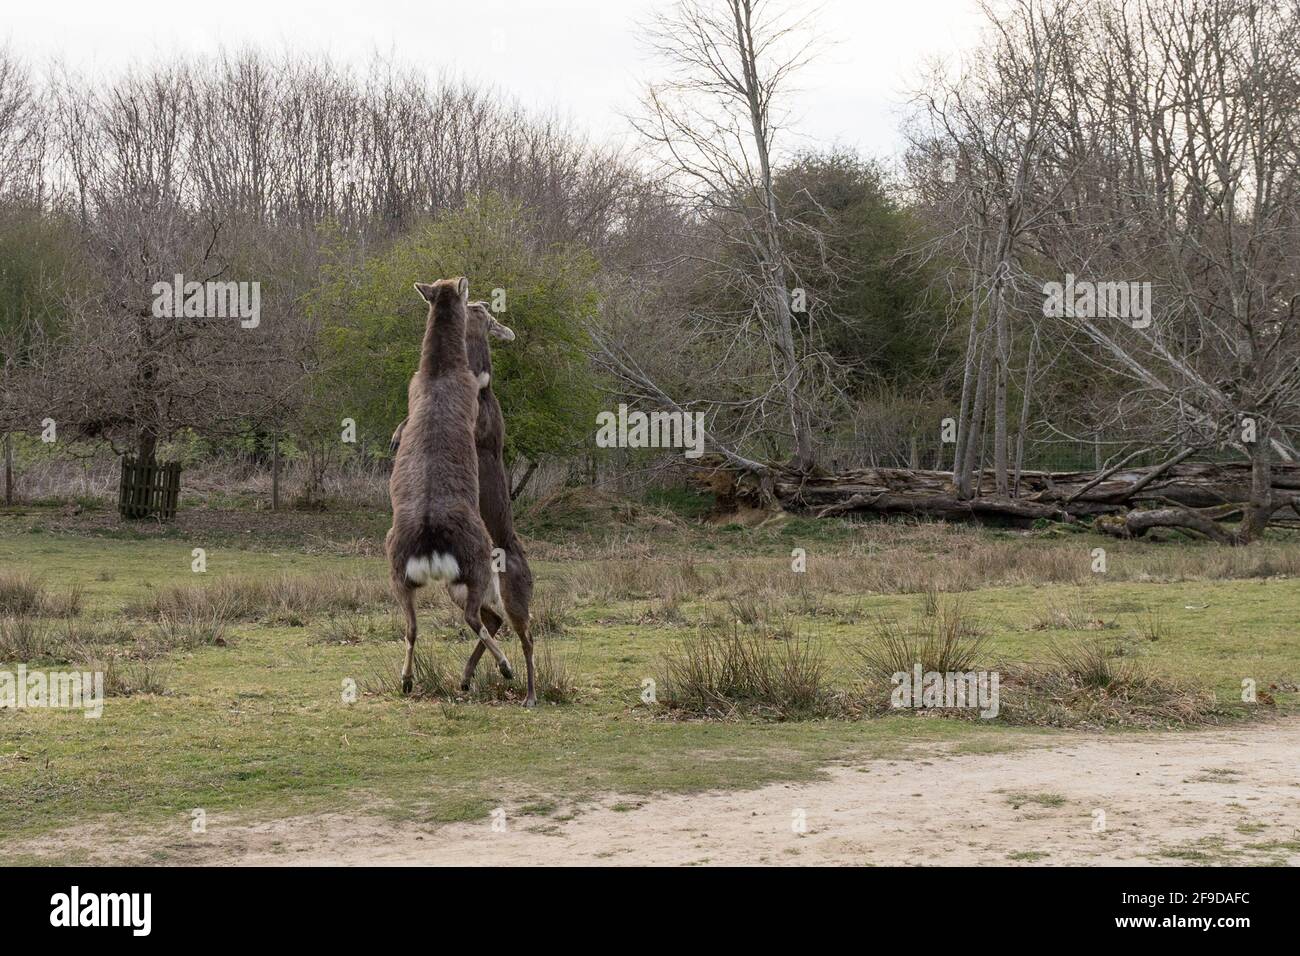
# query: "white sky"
x,y
581,57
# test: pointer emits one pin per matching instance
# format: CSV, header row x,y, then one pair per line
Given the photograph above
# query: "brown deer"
x,y
494,494
437,533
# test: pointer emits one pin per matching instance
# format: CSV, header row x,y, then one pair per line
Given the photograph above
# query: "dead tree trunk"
x,y
1127,501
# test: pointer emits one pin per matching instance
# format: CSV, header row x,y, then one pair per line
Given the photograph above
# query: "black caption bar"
x,y
138,907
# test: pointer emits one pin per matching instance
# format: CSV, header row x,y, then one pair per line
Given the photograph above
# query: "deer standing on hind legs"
x,y
494,495
437,533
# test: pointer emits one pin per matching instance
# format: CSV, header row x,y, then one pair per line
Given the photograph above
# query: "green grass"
x,y
259,727
1028,856
1040,799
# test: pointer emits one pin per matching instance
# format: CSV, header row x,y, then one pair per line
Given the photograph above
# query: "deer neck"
x,y
478,354
443,349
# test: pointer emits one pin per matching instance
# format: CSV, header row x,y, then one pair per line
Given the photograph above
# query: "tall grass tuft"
x,y
279,599
125,676
1151,624
192,627
29,639
23,638
21,594
552,614
941,637
130,662
1074,614
24,594
354,627
1091,683
722,671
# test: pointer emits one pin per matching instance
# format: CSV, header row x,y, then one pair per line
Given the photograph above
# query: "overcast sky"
x,y
581,57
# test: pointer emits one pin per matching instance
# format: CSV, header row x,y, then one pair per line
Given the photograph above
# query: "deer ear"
x,y
462,287
426,291
500,331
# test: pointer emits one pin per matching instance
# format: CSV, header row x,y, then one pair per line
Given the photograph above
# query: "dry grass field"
x,y
689,677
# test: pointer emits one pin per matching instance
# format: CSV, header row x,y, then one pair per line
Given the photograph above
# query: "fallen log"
x,y
1138,522
1141,498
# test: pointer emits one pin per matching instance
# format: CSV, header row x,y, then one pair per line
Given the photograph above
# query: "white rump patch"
x,y
483,379
435,567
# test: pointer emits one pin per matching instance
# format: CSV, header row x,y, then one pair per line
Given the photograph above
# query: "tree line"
x,y
331,188
806,301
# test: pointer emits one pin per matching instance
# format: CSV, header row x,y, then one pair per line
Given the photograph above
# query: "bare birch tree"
x,y
1161,154
1191,182
714,122
989,127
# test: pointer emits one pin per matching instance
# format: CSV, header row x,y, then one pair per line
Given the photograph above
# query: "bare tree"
x,y
1190,159
21,150
256,168
714,122
23,137
121,371
1150,144
989,129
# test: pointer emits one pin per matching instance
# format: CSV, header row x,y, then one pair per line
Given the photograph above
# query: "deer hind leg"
x,y
471,665
526,641
405,595
516,592
459,592
473,618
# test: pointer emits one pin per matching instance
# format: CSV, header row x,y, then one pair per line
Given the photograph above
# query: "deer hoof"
x,y
506,672
464,686
530,701
407,683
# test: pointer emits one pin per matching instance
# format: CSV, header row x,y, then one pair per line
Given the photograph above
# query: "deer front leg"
x,y
406,601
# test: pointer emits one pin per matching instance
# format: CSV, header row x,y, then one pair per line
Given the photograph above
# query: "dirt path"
x,y
1208,797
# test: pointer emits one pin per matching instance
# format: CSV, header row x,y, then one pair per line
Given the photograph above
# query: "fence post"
x,y
9,468
275,472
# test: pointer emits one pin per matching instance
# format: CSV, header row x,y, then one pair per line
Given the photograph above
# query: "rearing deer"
x,y
437,533
494,494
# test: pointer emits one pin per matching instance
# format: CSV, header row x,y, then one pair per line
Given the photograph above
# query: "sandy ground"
x,y
1206,797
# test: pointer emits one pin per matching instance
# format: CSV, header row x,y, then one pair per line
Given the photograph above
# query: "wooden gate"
x,y
149,490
